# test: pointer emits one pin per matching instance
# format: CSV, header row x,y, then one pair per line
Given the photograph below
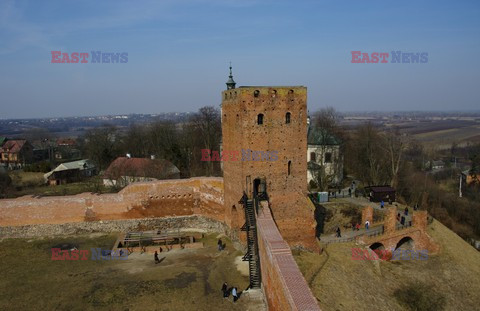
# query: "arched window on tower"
x,y
287,117
260,119
289,167
313,156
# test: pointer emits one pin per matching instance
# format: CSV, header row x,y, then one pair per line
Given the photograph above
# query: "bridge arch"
x,y
377,246
405,243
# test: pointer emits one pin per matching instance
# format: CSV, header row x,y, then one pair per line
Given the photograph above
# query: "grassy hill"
x,y
449,280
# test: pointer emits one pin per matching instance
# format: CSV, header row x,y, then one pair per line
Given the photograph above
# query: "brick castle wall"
x,y
284,284
182,197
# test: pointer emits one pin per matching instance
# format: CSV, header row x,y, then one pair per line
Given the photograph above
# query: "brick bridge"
x,y
414,236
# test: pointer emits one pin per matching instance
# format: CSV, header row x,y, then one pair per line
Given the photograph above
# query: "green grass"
x,y
185,280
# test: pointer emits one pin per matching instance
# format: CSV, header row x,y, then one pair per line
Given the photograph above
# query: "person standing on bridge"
x,y
367,224
338,232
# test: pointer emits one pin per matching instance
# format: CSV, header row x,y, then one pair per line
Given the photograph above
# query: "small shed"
x,y
380,193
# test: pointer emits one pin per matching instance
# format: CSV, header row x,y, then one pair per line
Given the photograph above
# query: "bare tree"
x,y
207,122
394,145
367,158
329,135
102,145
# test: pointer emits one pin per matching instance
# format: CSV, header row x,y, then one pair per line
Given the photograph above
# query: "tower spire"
x,y
230,82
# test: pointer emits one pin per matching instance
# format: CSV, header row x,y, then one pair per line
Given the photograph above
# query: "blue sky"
x,y
178,54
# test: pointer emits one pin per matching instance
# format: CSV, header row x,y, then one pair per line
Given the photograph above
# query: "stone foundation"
x,y
110,226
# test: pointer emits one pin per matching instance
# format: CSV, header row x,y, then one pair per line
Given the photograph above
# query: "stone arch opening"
x,y
377,246
405,243
259,186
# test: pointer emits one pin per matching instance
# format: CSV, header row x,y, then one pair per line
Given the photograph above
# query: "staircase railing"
x,y
250,227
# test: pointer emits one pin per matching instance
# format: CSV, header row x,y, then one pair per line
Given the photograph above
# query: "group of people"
x,y
338,232
226,292
355,227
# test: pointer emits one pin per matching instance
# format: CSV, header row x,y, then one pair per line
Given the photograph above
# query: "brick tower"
x,y
272,120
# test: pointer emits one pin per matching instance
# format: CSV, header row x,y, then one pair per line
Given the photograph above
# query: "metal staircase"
x,y
252,243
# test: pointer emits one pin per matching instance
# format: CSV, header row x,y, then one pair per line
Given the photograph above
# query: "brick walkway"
x,y
294,288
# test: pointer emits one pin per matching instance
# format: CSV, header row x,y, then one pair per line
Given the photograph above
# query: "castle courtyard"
x,y
185,279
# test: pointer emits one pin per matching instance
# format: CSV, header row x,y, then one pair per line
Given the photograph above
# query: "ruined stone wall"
x,y
181,197
109,226
286,187
284,285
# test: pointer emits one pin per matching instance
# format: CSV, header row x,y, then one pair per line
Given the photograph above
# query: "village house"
x,y
468,178
70,172
324,157
16,153
126,170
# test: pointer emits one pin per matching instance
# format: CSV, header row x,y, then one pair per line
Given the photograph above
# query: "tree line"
x,y
180,144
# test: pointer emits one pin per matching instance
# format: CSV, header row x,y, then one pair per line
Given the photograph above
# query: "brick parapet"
x,y
367,214
284,285
390,220
181,197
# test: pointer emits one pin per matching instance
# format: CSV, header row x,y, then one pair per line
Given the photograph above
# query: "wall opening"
x,y
376,246
260,119
287,117
328,157
313,156
256,93
405,243
289,167
259,186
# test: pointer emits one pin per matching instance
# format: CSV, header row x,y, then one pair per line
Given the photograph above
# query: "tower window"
x,y
260,119
290,92
256,93
313,156
289,167
328,157
274,93
287,118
